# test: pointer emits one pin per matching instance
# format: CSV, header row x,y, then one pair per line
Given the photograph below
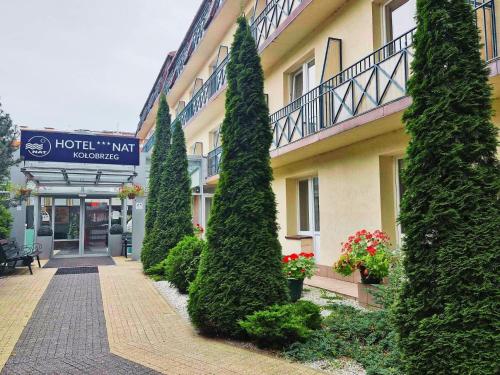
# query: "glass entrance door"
x,y
95,241
65,215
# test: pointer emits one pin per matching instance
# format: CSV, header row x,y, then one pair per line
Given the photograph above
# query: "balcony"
x,y
214,83
174,64
149,143
155,91
192,40
271,18
378,79
213,159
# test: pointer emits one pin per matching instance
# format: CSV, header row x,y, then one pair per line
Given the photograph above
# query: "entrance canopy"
x,y
73,179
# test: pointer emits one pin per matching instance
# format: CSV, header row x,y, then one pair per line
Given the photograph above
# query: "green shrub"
x,y
157,272
182,262
5,222
365,336
281,325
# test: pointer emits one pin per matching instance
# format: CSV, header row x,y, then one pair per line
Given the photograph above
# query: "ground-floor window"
x,y
308,204
308,210
400,189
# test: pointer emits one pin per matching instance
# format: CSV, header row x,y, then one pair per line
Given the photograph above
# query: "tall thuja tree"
x,y
450,211
173,218
8,132
158,157
240,271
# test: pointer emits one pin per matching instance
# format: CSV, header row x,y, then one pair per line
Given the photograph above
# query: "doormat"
x,y
76,270
79,262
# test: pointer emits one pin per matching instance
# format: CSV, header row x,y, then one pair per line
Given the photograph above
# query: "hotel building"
x,y
336,75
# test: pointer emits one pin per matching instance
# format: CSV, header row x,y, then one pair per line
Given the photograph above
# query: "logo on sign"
x,y
38,146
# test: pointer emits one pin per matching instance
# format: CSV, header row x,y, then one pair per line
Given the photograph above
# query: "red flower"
x,y
286,259
294,256
302,270
371,250
357,239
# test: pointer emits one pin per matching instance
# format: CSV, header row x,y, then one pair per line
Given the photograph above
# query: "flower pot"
x,y
366,278
131,196
295,286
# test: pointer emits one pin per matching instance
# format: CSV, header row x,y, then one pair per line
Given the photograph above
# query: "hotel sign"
x,y
79,148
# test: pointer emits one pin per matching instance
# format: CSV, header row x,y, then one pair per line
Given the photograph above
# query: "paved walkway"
x,y
115,322
67,332
19,295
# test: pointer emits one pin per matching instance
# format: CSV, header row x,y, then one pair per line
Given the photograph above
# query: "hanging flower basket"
x,y
21,193
130,191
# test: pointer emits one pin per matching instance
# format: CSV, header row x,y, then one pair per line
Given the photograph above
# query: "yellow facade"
x,y
349,153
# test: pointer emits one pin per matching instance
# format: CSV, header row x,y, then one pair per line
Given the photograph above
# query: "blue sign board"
x,y
38,145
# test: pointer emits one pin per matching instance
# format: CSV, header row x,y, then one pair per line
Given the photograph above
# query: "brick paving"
x,y
145,329
19,295
66,333
112,320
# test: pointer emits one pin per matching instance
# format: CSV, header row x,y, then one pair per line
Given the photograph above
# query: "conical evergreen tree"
x,y
447,313
240,271
173,218
158,157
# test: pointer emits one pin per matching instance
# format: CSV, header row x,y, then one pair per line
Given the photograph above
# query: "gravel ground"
x,y
174,298
342,366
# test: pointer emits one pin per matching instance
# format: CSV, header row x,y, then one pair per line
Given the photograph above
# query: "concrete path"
x,y
113,321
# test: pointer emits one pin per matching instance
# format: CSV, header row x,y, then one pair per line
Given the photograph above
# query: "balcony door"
x,y
399,18
302,81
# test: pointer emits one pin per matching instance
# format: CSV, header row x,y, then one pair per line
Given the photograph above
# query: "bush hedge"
x,y
281,325
182,262
157,272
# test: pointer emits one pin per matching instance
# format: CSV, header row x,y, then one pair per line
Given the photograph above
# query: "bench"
x,y
10,253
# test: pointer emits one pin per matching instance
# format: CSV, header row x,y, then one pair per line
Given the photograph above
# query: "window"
x,y
215,138
399,18
308,205
400,189
304,206
302,80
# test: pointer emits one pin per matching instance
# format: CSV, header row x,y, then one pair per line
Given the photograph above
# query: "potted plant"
x,y
198,230
130,191
369,253
296,268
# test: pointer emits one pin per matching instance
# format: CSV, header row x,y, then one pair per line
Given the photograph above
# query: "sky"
x,y
85,64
